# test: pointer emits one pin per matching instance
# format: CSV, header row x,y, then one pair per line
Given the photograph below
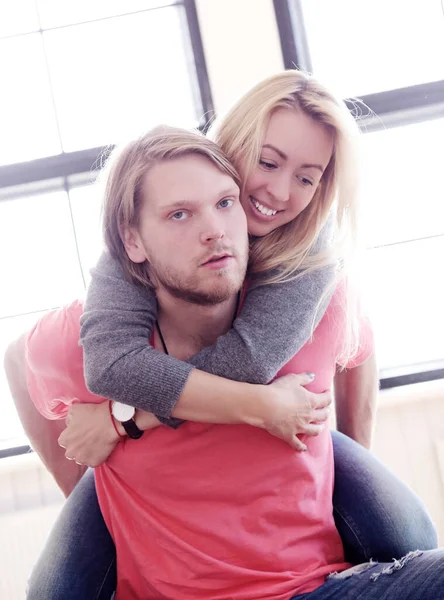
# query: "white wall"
x,y
241,44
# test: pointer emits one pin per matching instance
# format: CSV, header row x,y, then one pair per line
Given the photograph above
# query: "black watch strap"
x,y
132,430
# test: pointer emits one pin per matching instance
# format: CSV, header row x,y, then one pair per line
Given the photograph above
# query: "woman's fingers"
x,y
296,443
320,415
314,429
321,400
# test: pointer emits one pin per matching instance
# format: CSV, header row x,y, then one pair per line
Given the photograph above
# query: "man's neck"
x,y
188,328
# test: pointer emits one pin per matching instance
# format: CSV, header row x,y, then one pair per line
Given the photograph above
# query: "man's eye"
x,y
180,215
225,203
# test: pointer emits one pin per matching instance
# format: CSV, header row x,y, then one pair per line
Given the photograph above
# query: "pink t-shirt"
x,y
208,512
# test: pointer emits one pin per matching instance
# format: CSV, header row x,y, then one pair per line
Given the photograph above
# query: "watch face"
x,y
122,412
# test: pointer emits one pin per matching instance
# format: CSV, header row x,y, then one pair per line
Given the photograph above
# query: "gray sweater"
x,y
274,324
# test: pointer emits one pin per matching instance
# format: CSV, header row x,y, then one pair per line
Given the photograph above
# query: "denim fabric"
x,y
78,561
415,577
376,514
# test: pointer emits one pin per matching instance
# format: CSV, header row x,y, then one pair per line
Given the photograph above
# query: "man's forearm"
x,y
42,433
356,392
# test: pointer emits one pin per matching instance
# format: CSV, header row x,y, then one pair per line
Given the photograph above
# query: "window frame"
x,y
43,174
87,160
380,111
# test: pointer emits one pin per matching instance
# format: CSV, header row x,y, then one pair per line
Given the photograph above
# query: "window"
x,y
77,76
353,51
363,48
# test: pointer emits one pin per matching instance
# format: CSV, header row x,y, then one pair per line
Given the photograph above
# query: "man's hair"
x,y
124,174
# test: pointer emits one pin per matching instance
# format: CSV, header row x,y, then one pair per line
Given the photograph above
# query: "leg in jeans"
x,y
376,514
411,578
79,559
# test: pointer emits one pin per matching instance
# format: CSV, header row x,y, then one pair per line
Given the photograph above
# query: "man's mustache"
x,y
216,250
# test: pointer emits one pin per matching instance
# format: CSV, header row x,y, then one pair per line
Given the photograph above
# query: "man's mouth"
x,y
218,259
266,211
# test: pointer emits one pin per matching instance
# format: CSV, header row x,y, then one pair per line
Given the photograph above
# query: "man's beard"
x,y
187,288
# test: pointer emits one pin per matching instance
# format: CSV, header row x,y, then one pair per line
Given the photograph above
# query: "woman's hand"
x,y
90,436
291,410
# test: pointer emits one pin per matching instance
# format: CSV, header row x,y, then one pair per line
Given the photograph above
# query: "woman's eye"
x,y
267,165
225,203
305,181
180,215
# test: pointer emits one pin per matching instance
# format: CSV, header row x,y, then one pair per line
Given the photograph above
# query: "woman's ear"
x,y
133,245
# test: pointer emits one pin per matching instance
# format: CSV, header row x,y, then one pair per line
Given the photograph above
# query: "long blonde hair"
x,y
123,177
290,251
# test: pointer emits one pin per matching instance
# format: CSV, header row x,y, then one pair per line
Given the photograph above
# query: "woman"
x,y
274,220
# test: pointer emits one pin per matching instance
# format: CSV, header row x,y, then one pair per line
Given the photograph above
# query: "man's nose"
x,y
212,234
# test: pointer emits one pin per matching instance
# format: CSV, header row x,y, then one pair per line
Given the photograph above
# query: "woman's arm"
x,y
275,322
284,409
356,393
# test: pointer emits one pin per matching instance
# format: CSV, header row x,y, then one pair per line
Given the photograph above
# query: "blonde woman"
x,y
292,143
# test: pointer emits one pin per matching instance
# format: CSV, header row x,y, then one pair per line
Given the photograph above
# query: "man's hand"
x,y
89,437
291,410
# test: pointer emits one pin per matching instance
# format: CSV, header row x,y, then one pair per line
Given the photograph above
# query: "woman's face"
x,y
295,152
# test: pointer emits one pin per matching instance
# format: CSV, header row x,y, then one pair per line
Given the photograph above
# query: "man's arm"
x,y
42,433
356,392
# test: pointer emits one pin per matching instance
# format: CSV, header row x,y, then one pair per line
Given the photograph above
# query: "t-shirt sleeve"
x,y
54,363
365,336
366,343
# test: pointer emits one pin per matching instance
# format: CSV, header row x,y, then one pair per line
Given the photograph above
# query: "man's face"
x,y
192,230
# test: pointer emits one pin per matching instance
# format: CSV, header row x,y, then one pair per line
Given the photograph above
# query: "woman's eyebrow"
x,y
310,166
279,152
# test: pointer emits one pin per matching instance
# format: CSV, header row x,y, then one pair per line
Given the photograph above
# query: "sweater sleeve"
x,y
275,322
119,363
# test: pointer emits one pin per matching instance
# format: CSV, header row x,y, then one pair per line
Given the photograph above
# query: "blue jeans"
x,y
376,514
419,576
79,559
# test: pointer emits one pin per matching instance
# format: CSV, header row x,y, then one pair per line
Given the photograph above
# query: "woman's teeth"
x,y
262,209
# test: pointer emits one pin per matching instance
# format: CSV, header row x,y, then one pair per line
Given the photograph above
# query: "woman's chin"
x,y
260,229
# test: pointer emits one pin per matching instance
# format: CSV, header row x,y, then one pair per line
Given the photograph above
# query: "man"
x,y
207,511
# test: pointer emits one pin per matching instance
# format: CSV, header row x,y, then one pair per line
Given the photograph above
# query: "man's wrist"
x,y
145,420
118,428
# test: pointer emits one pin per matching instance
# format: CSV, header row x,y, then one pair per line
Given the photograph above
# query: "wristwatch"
x,y
124,414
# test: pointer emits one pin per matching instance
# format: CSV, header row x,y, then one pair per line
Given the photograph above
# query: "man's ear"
x,y
133,245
